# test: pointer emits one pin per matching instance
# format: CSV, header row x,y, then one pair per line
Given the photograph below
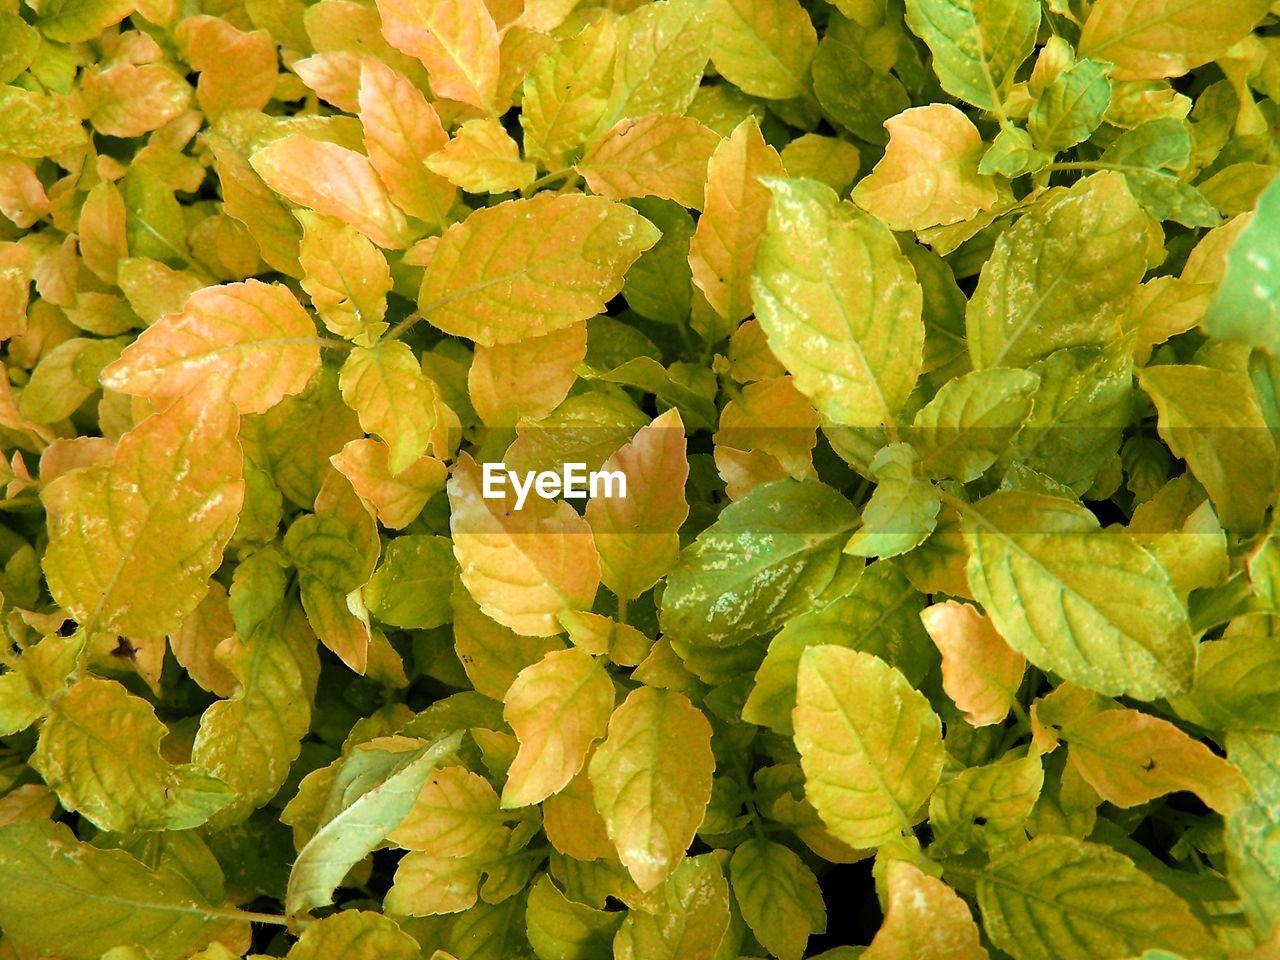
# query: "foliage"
x,y
936,341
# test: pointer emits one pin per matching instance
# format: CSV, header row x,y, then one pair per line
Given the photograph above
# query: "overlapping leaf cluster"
x,y
938,342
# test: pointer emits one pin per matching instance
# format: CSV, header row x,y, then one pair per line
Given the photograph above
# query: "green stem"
x,y
547,180
622,609
398,330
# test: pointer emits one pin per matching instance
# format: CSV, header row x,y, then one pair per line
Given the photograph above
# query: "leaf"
x,y
1070,108
351,832
662,51
1061,898
857,95
100,751
651,779
566,93
690,919
335,182
977,46
880,615
1210,418
528,378
346,277
398,500
929,173
723,247
522,566
637,536
531,293
1088,604
482,158
557,707
456,40
986,807
1149,39
925,920
151,523
1130,758
980,673
870,745
115,899
74,21
661,155
357,934
902,511
1059,276
971,420
562,929
412,586
829,285
1237,684
1245,306
764,49
254,337
384,385
779,897
769,556
401,129
1252,865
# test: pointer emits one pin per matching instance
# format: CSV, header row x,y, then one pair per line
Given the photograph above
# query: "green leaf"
x,y
19,42
1246,306
985,807
1252,833
1090,605
100,750
902,511
770,555
662,51
1237,684
651,778
355,934
562,929
855,94
355,825
74,21
839,303
977,45
73,900
689,917
411,588
971,421
1211,419
779,897
1059,276
763,47
1070,108
870,745
1057,898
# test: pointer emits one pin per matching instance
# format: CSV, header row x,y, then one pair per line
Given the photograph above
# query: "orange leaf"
x,y
661,155
456,40
525,379
980,672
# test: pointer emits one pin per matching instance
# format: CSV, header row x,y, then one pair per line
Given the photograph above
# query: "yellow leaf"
x,y
132,543
456,814
870,744
528,378
397,499
456,40
980,672
401,129
346,276
661,155
928,175
829,160
491,654
385,386
533,288
662,52
637,535
925,920
573,824
193,644
763,47
557,707
521,566
1149,39
100,751
482,158
129,101
333,181
771,427
237,70
1130,757
252,337
724,243
651,780
840,304
566,93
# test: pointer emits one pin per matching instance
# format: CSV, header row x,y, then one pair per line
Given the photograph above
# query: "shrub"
x,y
677,480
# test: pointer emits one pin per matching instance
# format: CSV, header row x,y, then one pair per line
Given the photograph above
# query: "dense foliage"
x,y
937,345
